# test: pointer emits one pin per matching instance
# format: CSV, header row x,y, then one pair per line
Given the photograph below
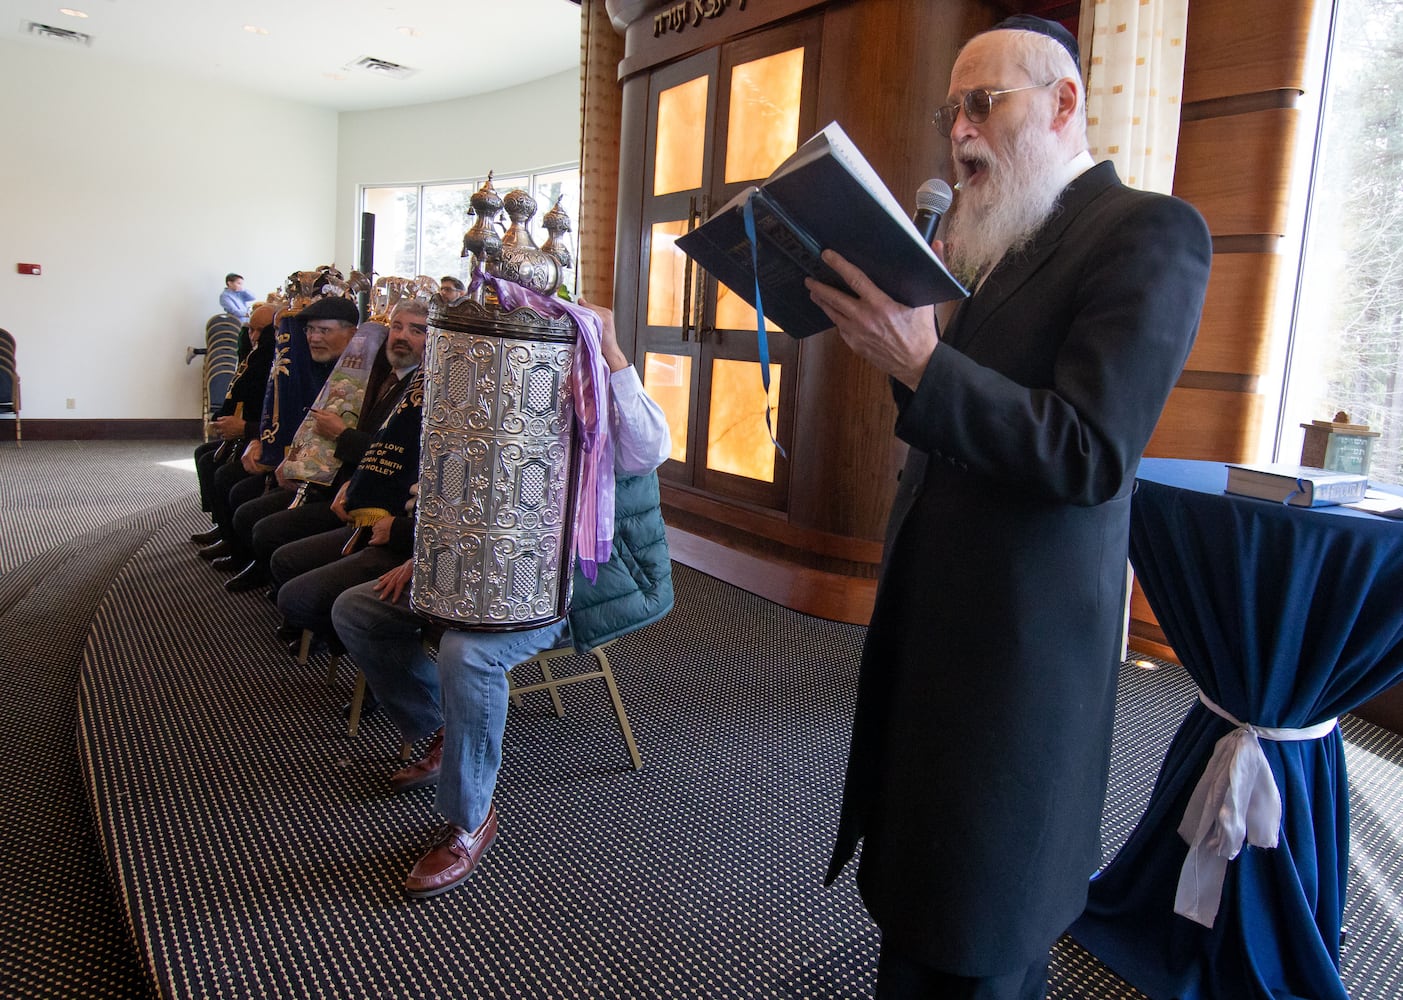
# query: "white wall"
x,y
136,192
508,132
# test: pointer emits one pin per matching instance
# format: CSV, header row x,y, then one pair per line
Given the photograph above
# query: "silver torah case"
x,y
497,474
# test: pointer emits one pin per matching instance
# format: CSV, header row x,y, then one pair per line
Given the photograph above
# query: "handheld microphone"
x,y
932,201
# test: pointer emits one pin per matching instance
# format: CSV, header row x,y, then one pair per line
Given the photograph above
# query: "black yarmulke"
x,y
1053,30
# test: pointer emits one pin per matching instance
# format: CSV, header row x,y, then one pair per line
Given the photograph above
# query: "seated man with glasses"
x,y
982,735
329,323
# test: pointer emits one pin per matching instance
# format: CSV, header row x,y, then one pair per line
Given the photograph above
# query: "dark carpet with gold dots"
x,y
185,815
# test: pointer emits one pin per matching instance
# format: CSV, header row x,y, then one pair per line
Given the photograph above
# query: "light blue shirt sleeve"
x,y
236,303
642,441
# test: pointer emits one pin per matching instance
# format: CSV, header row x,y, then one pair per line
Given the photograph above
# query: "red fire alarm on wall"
x,y
29,269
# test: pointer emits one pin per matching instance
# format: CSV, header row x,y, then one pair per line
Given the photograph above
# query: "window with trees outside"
x,y
1346,348
419,227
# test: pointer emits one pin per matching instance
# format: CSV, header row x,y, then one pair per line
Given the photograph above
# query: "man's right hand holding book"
x,y
897,339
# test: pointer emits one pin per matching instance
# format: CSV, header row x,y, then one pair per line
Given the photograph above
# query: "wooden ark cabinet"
x,y
716,93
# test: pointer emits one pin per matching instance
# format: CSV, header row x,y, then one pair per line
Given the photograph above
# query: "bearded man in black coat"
x,y
981,741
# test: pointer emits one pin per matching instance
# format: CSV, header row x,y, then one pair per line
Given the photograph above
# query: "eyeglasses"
x,y
976,105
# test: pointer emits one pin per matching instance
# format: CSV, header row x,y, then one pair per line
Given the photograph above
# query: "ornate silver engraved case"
x,y
492,547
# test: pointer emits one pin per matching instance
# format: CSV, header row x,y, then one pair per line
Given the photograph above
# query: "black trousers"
x,y
900,978
225,495
279,527
204,469
251,509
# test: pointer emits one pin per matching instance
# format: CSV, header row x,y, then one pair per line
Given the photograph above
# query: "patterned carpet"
x,y
71,515
258,850
256,853
52,491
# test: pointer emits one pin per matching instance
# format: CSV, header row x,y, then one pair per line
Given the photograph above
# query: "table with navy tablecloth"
x,y
1285,617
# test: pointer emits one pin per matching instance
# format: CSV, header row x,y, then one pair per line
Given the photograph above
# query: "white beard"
x,y
999,215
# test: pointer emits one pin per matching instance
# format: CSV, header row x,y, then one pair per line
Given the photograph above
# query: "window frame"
x,y
473,183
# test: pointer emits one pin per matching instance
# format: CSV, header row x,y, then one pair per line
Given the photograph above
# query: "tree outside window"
x,y
1348,347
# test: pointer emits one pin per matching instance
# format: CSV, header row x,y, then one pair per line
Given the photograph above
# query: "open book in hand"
x,y
826,196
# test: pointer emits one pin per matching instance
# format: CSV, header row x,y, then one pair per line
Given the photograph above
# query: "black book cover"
x,y
825,196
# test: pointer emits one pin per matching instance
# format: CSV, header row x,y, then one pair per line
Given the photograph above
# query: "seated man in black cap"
x,y
309,345
396,361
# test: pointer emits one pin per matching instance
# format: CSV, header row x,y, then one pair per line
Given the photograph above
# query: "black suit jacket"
x,y
981,739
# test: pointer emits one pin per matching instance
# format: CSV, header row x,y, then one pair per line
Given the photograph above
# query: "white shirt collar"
x,y
1076,166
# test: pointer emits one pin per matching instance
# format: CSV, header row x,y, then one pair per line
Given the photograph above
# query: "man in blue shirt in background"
x,y
234,300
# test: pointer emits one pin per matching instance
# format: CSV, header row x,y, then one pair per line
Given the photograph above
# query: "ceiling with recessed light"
x,y
346,55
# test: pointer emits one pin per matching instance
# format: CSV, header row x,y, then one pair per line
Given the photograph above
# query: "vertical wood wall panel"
x,y
1245,47
1206,424
601,48
1236,170
1234,335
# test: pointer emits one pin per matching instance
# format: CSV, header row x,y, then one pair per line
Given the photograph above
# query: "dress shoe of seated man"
x,y
462,702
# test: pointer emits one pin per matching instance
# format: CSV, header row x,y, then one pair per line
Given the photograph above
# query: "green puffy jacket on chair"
x,y
634,588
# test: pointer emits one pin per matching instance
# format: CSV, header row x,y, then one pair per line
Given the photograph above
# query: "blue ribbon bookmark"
x,y
762,342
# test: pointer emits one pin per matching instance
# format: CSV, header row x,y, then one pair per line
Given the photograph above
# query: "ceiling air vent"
x,y
57,34
382,67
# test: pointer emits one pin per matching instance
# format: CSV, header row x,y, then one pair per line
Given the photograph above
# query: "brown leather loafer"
x,y
452,858
423,771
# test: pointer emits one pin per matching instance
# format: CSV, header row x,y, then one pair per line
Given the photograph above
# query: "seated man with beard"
x,y
310,573
982,734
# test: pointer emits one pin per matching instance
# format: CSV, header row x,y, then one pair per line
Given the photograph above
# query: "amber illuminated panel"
x,y
763,127
734,313
665,267
677,165
667,379
737,440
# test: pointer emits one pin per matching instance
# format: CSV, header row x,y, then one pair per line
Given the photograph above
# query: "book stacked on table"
x,y
1298,485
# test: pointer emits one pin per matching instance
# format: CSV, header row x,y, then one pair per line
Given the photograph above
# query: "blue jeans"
x,y
466,693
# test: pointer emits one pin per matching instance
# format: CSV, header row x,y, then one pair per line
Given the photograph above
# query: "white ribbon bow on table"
x,y
1236,799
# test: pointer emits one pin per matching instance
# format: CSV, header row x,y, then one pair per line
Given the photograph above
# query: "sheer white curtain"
x,y
1135,76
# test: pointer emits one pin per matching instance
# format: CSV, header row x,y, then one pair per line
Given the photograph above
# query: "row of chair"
x,y
9,382
221,360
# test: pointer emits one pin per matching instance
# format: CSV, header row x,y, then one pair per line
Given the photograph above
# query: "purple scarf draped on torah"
x,y
589,385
